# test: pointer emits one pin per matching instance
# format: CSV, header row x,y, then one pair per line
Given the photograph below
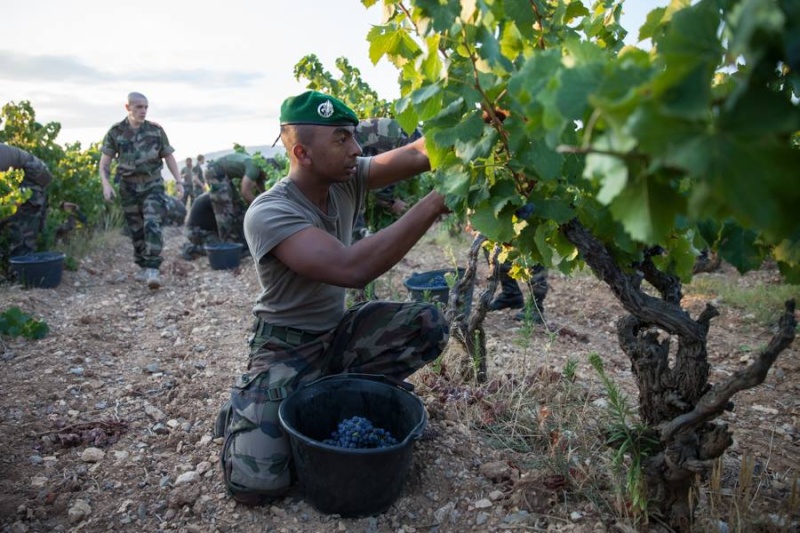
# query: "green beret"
x,y
313,107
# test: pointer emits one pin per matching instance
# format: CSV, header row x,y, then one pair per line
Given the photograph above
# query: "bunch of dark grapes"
x,y
358,432
435,281
525,212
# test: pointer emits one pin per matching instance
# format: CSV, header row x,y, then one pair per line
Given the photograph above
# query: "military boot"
x,y
539,287
510,296
190,251
533,313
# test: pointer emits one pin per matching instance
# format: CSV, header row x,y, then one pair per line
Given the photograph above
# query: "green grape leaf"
x,y
470,129
555,209
456,183
758,111
738,247
485,221
431,66
427,101
490,50
610,171
523,16
679,260
651,24
442,14
576,85
391,42
471,151
647,210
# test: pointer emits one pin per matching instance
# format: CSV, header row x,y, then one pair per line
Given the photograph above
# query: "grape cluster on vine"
x,y
359,432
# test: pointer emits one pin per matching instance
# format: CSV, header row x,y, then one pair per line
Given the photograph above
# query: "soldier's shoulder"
x,y
118,126
154,125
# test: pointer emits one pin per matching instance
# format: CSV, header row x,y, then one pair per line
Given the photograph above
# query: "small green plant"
x,y
570,368
632,443
15,323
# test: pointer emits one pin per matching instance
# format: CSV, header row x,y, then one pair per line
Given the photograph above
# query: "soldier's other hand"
x,y
399,206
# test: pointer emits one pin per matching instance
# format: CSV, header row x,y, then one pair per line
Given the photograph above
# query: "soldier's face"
x,y
137,110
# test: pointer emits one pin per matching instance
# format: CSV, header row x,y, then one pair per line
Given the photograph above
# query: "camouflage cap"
x,y
314,107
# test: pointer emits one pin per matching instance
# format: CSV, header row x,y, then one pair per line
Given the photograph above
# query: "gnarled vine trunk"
x,y
675,400
467,329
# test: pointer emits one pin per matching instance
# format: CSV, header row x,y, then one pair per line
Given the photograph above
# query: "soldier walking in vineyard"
x,y
299,233
139,146
20,231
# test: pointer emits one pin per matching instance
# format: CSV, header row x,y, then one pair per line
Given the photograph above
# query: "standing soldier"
x,y
198,177
139,146
512,297
187,175
229,201
21,230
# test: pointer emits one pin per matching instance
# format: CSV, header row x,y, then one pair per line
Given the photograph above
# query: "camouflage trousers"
x,y
392,339
144,208
198,238
229,209
537,283
19,232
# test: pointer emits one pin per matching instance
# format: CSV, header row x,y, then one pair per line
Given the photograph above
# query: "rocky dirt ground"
x,y
107,422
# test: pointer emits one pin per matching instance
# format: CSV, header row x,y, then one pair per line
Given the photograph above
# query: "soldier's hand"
x,y
108,192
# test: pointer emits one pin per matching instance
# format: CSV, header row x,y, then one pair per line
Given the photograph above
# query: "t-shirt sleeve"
x,y
166,148
39,172
109,146
270,222
251,170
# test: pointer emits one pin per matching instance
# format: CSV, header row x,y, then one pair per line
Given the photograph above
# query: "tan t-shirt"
x,y
288,299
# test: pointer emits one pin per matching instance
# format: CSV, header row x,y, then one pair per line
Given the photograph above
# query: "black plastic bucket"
x,y
38,270
224,255
344,481
431,286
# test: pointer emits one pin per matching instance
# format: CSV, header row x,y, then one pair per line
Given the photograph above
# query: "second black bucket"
x,y
432,286
38,270
224,255
344,481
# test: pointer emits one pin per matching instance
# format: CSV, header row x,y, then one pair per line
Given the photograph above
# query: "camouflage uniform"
x,y
141,188
378,135
223,177
20,231
197,190
201,228
511,295
188,187
174,211
392,339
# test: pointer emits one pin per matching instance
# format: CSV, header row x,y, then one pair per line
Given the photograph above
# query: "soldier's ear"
x,y
302,154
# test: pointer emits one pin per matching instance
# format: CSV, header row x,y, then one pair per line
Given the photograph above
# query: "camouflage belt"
x,y
140,178
293,336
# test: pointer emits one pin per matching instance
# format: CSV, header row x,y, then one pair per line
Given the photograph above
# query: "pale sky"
x,y
214,73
